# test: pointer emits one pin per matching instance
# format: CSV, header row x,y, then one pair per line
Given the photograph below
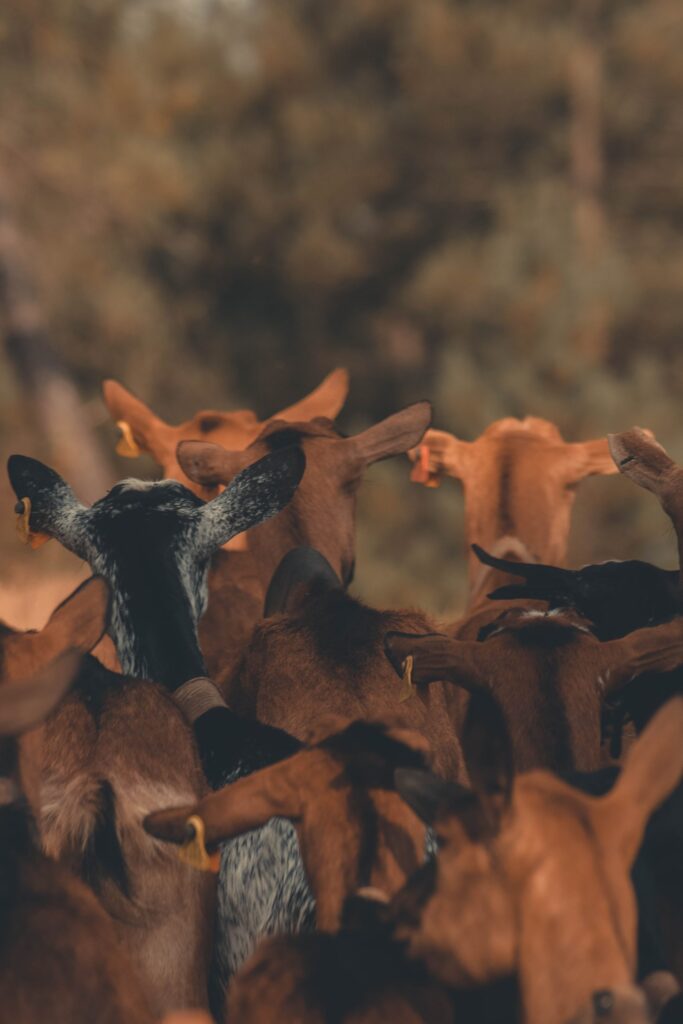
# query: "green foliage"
x,y
223,200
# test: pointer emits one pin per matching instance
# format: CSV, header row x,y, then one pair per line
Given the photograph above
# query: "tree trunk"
x,y
52,397
587,166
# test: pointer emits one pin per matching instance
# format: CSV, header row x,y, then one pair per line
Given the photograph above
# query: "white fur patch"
x,y
132,484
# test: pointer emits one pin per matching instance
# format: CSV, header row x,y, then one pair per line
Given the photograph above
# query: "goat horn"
x,y
534,572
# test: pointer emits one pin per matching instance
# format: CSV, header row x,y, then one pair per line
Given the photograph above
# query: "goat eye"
x,y
603,1002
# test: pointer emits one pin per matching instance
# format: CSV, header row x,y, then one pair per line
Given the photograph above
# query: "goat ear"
x,y
257,493
394,435
209,464
588,458
438,657
427,794
326,400
440,454
77,624
147,431
652,769
55,511
653,649
25,704
81,620
243,805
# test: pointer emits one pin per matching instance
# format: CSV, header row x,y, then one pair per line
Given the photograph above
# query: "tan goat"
x,y
531,879
144,431
519,478
539,872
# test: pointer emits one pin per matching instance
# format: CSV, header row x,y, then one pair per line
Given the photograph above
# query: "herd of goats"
x,y
229,787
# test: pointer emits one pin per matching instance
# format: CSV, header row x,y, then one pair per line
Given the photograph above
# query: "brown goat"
x,y
114,749
642,459
321,653
321,514
149,433
60,958
353,829
533,875
519,478
530,880
549,674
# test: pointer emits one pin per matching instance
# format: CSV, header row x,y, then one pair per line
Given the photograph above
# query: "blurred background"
x,y
218,201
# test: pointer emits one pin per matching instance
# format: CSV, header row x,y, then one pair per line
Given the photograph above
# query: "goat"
x,y
111,750
321,514
530,881
153,543
321,652
353,830
519,477
144,431
549,674
60,957
537,870
618,598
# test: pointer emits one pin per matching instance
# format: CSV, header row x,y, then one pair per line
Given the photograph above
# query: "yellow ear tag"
x,y
23,510
193,853
126,445
407,685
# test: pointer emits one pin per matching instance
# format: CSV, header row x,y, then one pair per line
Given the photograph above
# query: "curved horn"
x,y
556,596
534,572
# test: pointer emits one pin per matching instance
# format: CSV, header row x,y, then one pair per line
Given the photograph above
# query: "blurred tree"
x,y
223,200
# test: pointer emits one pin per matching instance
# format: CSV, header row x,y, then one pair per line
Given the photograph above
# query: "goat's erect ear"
x,y
392,436
77,624
437,657
149,432
653,649
652,769
427,794
55,509
209,464
257,493
243,805
326,400
81,620
587,458
440,454
26,703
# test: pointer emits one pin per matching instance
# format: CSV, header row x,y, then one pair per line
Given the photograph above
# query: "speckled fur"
x,y
262,891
